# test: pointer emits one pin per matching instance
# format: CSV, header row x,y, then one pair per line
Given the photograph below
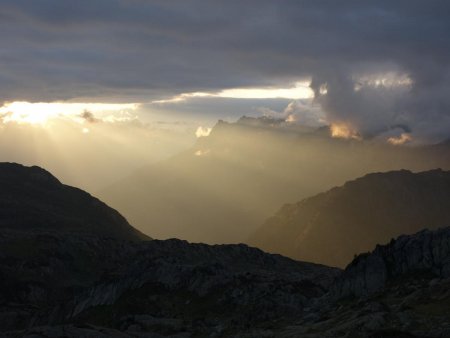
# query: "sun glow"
x,y
300,90
42,112
203,131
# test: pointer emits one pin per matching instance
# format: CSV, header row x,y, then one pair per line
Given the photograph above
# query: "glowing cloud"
x,y
344,130
300,90
402,139
202,131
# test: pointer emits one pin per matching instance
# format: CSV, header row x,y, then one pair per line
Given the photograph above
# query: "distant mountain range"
x,y
64,277
332,227
231,181
33,199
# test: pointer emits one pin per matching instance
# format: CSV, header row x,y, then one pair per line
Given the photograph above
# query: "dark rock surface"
x,y
176,289
332,227
168,287
427,252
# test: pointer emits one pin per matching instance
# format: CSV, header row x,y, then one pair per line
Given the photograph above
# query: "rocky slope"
x,y
397,290
230,182
165,287
330,228
176,289
31,199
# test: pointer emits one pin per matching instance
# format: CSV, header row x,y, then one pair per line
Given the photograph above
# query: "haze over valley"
x,y
227,184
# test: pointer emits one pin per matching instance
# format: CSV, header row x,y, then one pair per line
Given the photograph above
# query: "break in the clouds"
x,y
373,65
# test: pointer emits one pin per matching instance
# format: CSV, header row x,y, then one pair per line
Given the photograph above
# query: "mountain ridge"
x,y
31,199
332,226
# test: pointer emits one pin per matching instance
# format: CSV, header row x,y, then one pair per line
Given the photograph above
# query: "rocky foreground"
x,y
163,287
55,285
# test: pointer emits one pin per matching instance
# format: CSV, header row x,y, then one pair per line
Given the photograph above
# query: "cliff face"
x,y
331,227
32,199
425,252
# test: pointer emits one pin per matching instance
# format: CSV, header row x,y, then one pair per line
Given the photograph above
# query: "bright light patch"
x,y
323,89
202,131
402,139
291,118
42,112
343,130
301,90
202,152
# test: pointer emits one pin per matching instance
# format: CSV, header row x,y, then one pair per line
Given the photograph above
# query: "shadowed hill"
x,y
32,199
223,189
332,227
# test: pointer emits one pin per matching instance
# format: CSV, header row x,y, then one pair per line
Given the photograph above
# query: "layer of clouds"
x,y
304,112
140,51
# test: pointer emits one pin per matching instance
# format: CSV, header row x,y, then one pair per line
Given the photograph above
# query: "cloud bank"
x,y
374,64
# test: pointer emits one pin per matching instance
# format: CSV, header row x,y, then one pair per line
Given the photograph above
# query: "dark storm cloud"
x,y
143,50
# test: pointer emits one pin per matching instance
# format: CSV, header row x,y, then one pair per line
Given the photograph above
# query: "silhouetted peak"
x,y
14,171
397,176
33,199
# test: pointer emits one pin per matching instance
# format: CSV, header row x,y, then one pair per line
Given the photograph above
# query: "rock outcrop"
x,y
427,252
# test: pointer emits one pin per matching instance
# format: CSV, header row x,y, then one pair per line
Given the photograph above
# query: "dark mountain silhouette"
x,y
332,227
61,282
32,199
223,189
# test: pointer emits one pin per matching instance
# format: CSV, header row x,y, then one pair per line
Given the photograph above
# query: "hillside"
x,y
33,199
332,227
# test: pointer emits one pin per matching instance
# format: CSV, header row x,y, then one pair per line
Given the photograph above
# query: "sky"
x,y
375,69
